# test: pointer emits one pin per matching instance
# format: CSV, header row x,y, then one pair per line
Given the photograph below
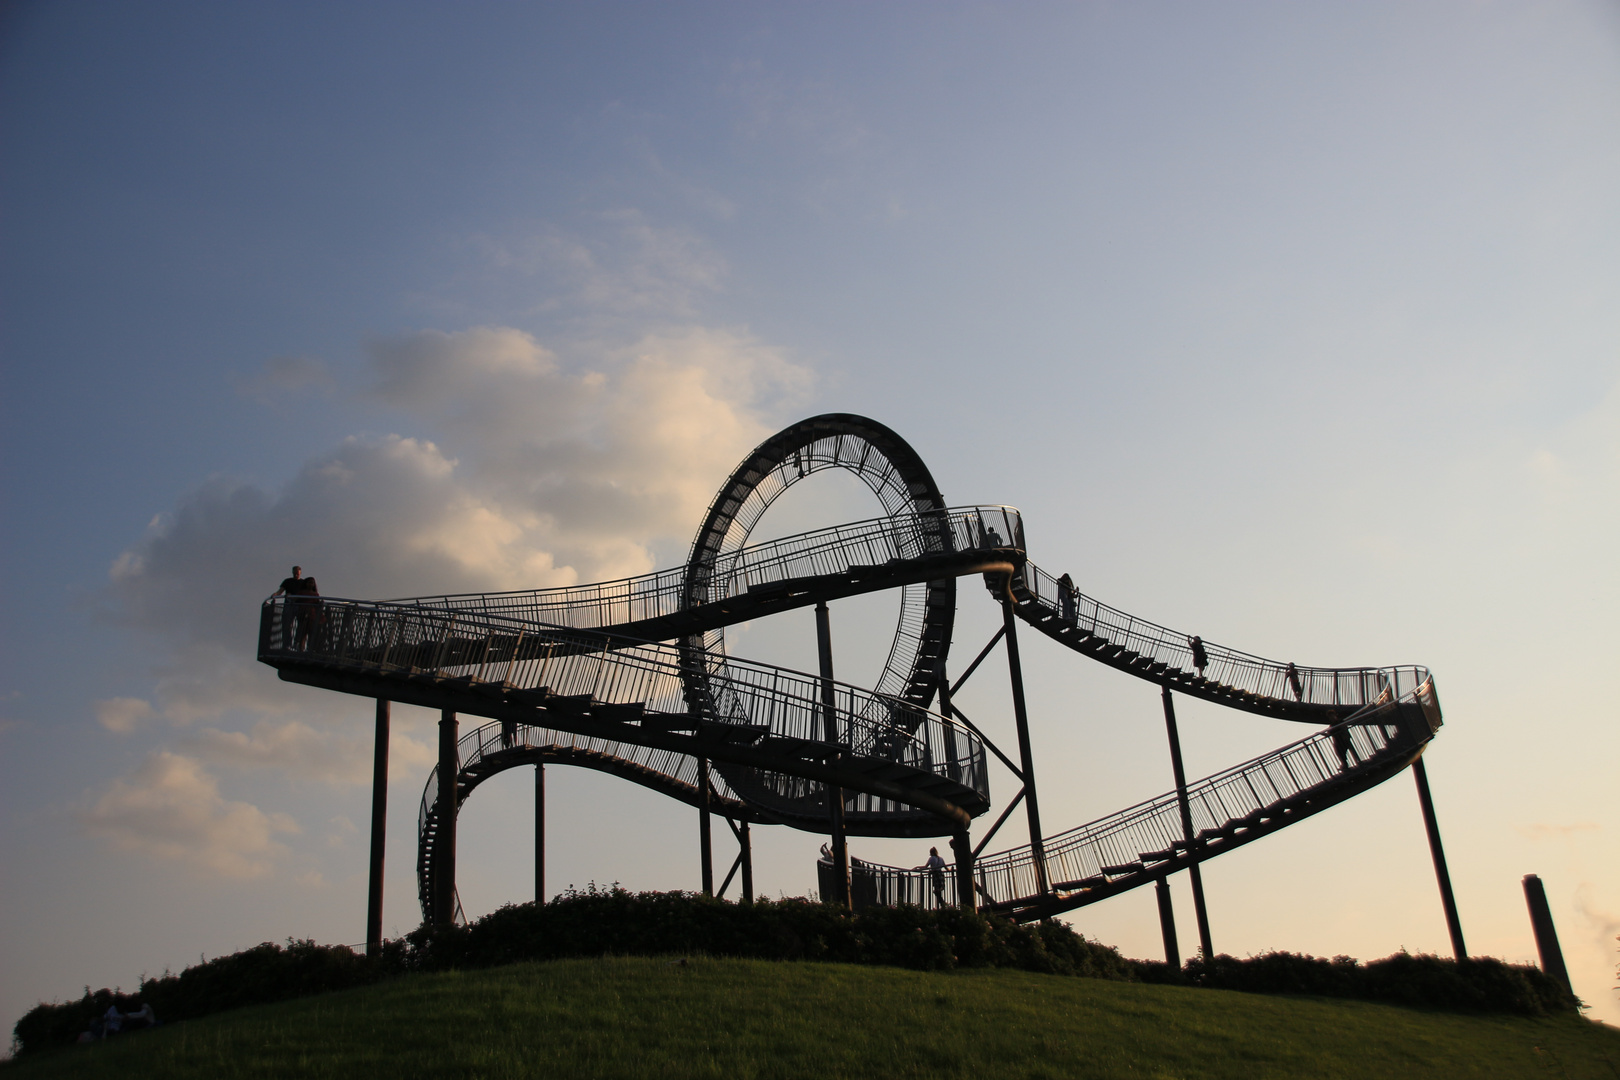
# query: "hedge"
x,y
601,922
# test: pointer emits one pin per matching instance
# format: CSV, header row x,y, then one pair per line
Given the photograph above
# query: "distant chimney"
x,y
1552,958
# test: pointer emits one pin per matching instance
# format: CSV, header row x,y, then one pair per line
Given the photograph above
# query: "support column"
x,y
705,840
540,833
1026,756
963,846
953,761
1167,924
1552,957
747,864
1193,873
835,795
444,844
379,822
1447,900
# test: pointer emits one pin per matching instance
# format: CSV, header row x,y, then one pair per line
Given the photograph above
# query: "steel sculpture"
x,y
631,678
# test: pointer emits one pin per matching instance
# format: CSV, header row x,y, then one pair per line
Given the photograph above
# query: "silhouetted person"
x,y
1200,658
508,734
936,874
1342,747
992,538
1293,682
302,610
1068,600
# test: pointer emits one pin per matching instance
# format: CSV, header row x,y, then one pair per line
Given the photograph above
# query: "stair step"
x,y
712,731
669,722
627,712
1083,883
1157,856
1127,868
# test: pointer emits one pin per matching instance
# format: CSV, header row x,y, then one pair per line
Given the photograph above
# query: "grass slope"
x,y
738,1019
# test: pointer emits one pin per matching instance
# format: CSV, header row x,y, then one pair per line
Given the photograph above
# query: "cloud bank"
x,y
171,808
510,468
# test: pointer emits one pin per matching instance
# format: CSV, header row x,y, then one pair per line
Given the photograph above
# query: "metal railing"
x,y
875,542
497,737
1227,667
875,885
1113,847
779,703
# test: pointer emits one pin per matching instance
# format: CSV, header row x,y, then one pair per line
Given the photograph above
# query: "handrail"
x,y
1226,667
607,669
1113,848
817,553
497,737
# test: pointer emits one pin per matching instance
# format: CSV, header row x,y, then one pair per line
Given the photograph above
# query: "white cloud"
x,y
540,472
291,746
171,808
122,714
300,750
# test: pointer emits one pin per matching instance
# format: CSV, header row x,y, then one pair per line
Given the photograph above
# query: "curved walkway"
x,y
578,675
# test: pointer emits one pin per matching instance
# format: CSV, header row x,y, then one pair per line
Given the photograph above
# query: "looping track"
x,y
578,676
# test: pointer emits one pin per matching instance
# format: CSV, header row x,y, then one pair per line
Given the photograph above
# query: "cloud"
x,y
1602,926
284,375
623,268
122,714
300,750
523,470
171,808
291,746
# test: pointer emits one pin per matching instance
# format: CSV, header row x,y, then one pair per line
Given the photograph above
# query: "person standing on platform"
x,y
302,610
289,587
936,874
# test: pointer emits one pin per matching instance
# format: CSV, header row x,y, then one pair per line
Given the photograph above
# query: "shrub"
x,y
599,922
262,974
603,922
1479,984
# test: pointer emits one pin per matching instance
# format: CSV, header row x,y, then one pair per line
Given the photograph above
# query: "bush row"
x,y
598,922
1478,984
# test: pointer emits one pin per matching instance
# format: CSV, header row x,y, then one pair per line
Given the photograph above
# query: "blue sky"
x,y
1294,325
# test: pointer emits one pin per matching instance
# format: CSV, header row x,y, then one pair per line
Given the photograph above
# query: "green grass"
x,y
739,1019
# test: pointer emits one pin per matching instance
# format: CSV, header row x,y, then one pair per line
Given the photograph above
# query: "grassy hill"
x,y
737,1019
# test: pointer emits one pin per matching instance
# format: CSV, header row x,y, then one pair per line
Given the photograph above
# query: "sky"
x,y
1296,326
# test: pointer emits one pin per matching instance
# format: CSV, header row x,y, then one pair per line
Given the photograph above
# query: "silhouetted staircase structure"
x,y
577,675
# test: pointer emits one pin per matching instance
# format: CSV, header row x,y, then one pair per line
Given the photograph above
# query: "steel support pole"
x,y
747,864
1194,875
1552,957
705,840
953,761
540,833
835,795
963,846
1447,900
1026,756
444,844
1167,924
379,829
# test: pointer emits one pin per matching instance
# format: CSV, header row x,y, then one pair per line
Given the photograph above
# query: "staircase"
x,y
1229,677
